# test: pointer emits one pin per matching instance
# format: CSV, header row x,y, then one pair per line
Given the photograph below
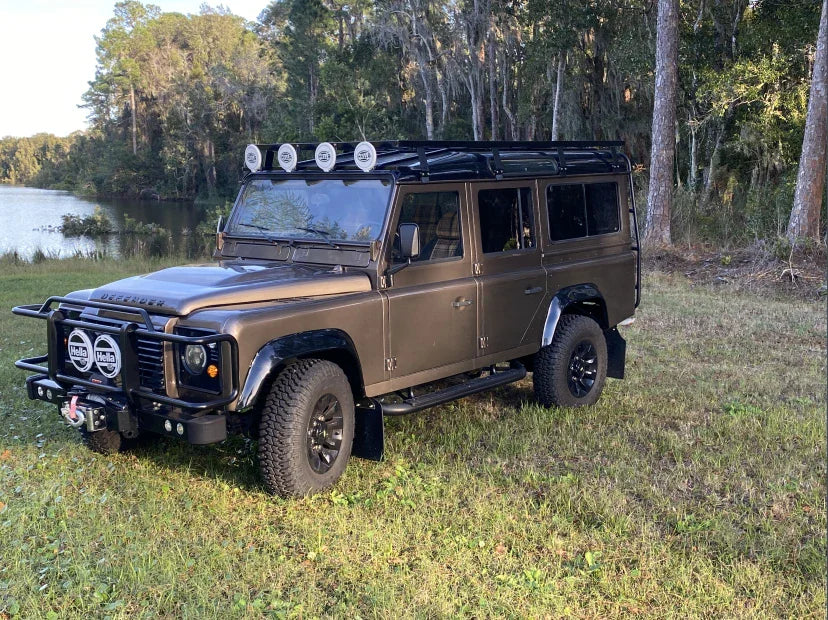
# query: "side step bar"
x,y
473,386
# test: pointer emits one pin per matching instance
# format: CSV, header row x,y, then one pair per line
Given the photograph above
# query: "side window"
x,y
438,216
567,212
602,208
582,210
506,221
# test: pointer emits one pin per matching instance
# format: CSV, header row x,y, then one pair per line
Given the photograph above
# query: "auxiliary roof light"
x,y
365,156
287,157
253,157
325,156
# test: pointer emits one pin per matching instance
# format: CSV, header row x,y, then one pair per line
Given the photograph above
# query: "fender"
x,y
616,345
563,298
276,352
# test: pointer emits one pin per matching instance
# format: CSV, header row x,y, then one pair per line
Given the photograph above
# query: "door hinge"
x,y
484,342
477,269
383,281
390,363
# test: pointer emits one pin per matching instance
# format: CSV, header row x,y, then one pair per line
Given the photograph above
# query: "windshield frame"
x,y
310,238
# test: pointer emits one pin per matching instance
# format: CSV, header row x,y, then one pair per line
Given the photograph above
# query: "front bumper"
x,y
128,403
96,412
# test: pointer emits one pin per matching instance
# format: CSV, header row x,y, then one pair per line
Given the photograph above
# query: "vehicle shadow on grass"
x,y
235,462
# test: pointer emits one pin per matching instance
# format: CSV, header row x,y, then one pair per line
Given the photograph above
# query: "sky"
x,y
47,58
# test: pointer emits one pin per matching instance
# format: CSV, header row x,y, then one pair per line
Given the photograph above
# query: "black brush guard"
x,y
126,334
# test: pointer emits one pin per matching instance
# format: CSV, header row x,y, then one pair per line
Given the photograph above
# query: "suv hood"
x,y
181,290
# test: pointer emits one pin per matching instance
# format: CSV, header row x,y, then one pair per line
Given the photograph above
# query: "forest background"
x,y
177,97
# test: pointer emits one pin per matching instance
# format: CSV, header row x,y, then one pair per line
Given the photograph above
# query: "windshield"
x,y
328,209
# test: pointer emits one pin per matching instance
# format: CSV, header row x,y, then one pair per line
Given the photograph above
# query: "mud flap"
x,y
369,433
616,353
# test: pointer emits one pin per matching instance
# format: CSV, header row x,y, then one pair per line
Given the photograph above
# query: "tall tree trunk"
x,y
660,196
490,57
556,106
209,165
693,175
810,179
442,86
134,122
429,102
512,125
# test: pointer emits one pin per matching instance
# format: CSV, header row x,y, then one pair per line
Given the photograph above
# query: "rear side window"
x,y
506,221
582,210
438,216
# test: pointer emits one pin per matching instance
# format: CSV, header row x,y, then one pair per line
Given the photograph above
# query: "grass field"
x,y
694,488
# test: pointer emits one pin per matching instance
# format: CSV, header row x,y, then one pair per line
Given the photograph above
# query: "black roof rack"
x,y
426,160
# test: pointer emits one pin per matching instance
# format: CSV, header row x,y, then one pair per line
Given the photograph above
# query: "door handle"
x,y
532,290
461,303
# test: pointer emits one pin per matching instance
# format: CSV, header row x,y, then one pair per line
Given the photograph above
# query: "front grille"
x,y
151,364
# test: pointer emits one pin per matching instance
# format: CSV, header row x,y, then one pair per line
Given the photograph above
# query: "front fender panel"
x,y
280,350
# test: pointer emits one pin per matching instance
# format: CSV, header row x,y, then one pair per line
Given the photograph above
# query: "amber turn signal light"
x,y
212,371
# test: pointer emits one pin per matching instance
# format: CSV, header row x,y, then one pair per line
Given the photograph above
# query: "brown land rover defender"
x,y
367,280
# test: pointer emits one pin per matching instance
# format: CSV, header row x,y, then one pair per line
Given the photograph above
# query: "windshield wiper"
x,y
322,234
267,236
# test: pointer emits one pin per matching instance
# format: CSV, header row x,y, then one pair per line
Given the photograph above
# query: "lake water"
x,y
29,218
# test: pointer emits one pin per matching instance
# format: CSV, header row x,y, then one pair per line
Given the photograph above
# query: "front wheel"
x,y
306,429
570,372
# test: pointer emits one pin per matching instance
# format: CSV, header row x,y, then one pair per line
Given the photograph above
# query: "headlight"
x,y
195,358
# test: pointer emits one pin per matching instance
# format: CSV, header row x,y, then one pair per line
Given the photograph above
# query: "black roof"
x,y
435,160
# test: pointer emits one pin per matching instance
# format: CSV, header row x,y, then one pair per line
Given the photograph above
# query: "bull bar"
x,y
126,334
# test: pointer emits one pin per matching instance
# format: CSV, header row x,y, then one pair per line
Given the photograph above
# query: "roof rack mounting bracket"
x,y
498,165
421,156
561,161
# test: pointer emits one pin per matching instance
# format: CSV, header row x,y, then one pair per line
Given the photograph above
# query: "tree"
x,y
660,196
810,181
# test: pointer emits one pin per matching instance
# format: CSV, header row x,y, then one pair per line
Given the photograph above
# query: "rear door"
x,y
512,278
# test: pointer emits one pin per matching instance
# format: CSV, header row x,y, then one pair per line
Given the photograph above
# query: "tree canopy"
x,y
176,97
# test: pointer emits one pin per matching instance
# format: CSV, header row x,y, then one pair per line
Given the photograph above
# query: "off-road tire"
x,y
552,363
284,461
104,441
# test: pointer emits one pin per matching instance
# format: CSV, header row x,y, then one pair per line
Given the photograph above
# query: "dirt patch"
x,y
802,275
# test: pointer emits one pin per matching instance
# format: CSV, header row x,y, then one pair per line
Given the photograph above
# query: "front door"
x,y
433,303
513,281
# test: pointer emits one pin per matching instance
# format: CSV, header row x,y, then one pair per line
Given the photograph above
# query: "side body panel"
x,y
433,304
603,261
513,283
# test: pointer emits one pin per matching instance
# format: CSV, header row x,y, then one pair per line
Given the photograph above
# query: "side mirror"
x,y
409,246
409,241
220,234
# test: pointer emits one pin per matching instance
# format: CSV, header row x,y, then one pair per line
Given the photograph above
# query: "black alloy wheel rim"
x,y
583,369
324,434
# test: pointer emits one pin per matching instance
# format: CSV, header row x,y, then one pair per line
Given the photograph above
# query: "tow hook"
x,y
77,415
74,417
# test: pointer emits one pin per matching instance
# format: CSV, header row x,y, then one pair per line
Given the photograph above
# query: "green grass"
x,y
694,488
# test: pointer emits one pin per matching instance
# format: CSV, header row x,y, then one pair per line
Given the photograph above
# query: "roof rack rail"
x,y
424,159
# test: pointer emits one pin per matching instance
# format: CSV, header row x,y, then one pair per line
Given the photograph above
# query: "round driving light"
x,y
325,156
365,156
168,426
195,359
253,157
179,428
49,394
212,371
40,391
287,157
